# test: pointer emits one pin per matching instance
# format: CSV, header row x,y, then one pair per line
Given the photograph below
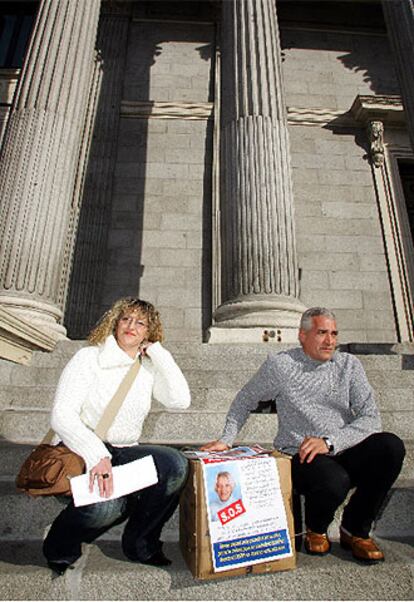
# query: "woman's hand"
x,y
103,473
215,446
143,347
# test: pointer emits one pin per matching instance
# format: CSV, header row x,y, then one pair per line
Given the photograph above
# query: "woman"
x,y
130,328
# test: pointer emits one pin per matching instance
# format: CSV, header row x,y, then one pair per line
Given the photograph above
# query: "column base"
x,y
257,318
276,311
19,338
44,317
271,335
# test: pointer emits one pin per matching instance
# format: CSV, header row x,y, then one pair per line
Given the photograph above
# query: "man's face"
x,y
224,488
320,341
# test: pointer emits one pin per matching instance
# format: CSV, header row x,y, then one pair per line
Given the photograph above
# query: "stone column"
x,y
399,18
39,159
259,265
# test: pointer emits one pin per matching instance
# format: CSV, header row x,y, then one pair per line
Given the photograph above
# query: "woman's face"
x,y
131,331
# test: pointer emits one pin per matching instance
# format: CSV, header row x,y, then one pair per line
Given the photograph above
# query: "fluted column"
x,y
39,158
259,265
399,18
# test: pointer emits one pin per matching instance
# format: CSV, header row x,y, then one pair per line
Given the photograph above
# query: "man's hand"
x,y
215,446
311,447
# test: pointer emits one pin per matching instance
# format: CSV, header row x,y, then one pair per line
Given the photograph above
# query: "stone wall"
x,y
340,244
159,243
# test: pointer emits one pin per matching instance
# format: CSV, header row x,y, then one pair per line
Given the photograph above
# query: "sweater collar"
x,y
306,359
111,355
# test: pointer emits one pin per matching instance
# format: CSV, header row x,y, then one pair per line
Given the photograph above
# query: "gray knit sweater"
x,y
317,399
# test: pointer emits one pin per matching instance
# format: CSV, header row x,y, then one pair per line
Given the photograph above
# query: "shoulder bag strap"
x,y
113,406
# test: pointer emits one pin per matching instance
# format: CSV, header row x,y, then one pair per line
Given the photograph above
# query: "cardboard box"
x,y
194,531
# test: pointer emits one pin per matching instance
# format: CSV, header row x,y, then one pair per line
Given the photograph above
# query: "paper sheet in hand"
x,y
127,478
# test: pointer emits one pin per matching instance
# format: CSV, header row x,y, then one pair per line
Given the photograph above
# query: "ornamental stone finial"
x,y
376,138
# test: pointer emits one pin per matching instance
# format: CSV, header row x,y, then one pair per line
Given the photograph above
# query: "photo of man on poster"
x,y
223,491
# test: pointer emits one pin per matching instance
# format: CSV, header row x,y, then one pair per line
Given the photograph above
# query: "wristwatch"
x,y
329,444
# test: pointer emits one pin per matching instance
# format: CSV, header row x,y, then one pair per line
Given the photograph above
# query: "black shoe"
x,y
157,559
59,567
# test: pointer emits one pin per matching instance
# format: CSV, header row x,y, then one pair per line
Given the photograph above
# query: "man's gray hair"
x,y
313,312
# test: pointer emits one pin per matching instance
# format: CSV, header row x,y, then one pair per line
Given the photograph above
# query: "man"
x,y
224,489
330,425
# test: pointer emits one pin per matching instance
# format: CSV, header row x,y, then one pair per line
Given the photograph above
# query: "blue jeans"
x,y
145,511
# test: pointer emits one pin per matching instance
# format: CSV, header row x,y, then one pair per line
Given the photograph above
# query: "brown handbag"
x,y
48,468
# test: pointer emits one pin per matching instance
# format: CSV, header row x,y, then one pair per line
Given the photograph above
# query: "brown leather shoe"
x,y
317,544
363,549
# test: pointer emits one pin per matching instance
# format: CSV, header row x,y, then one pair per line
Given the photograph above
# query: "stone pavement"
x,y
103,574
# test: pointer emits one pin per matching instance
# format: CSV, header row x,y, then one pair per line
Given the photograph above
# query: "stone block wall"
x,y
339,239
169,61
328,69
159,243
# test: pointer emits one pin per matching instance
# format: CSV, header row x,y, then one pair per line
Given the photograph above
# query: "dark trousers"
x,y
145,511
370,466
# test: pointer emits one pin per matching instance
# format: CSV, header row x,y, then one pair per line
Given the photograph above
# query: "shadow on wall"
x,y
111,216
353,34
84,305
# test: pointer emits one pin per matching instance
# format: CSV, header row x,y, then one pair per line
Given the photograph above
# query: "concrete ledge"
x,y
25,518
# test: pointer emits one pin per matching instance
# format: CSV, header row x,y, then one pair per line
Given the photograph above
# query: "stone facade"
x,y
153,219
340,243
158,239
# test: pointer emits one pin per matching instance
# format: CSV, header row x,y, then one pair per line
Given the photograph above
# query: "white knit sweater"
x,y
88,383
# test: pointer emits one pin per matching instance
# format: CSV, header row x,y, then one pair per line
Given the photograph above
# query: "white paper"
x,y
127,478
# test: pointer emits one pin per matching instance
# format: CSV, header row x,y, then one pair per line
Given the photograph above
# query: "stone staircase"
x,y
214,373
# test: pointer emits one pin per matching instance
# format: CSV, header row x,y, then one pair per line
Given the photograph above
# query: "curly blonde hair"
x,y
108,323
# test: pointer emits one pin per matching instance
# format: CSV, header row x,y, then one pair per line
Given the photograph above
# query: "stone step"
x,y
24,517
13,454
42,381
385,375
26,425
226,373
28,518
215,357
102,574
213,373
207,398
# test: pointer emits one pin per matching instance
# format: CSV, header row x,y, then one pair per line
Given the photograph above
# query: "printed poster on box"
x,y
246,513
